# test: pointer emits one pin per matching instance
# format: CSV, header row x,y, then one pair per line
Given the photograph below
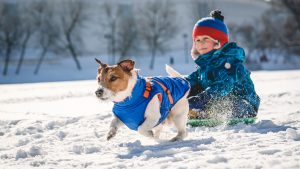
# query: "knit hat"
x,y
212,26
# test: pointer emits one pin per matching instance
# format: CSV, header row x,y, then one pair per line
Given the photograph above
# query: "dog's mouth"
x,y
103,98
103,94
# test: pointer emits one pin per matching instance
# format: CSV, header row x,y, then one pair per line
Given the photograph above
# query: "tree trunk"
x,y
186,53
7,57
113,50
113,43
152,58
72,51
74,55
23,50
42,57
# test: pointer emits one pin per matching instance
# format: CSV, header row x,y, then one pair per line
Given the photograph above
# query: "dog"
x,y
143,104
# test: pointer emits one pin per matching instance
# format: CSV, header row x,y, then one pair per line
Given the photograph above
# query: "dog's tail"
x,y
172,72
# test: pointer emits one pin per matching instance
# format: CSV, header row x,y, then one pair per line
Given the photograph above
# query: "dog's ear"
x,y
100,63
127,65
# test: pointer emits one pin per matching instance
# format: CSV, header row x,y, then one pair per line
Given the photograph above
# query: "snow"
x,y
63,125
53,120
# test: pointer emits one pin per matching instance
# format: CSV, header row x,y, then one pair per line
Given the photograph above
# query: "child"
x,y
221,78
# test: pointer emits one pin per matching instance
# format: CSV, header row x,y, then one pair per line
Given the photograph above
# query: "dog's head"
x,y
113,79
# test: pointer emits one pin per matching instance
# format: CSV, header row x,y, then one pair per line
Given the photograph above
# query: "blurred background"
x,y
57,40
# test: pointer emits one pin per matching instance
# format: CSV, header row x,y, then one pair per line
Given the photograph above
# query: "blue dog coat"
x,y
131,111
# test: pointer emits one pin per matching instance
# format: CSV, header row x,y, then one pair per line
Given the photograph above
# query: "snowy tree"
x,y
293,30
294,8
9,32
285,23
126,32
27,29
157,26
72,16
121,31
111,13
199,9
1,21
47,30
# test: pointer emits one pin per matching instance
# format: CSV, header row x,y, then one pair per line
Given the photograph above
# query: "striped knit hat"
x,y
212,26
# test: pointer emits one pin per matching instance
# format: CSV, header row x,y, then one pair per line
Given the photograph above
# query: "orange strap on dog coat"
x,y
148,89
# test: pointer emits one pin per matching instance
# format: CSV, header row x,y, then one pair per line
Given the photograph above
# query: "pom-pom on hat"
x,y
212,26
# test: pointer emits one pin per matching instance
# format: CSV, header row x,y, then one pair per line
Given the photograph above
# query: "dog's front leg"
x,y
114,125
152,115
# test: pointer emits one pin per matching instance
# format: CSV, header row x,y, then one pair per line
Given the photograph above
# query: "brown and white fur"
x,y
117,82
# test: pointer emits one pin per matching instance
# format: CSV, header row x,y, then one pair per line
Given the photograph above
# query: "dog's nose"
x,y
99,92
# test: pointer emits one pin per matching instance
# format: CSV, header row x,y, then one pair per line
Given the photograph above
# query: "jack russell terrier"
x,y
143,104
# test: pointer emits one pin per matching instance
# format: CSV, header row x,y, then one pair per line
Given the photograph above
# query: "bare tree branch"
x,y
157,26
27,30
111,13
199,9
47,31
72,16
9,32
127,31
294,7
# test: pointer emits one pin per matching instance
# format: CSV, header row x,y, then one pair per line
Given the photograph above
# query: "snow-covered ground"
x,y
63,125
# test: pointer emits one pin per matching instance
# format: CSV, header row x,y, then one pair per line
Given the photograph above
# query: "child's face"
x,y
204,44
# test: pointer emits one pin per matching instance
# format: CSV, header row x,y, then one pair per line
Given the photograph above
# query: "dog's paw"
x,y
112,133
179,137
176,139
147,133
150,134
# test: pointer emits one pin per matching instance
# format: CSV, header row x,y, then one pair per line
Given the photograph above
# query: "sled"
x,y
216,122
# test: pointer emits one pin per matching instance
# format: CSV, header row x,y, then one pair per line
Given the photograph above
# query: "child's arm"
x,y
225,80
193,78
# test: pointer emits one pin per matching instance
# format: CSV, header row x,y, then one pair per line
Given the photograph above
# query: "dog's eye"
x,y
113,78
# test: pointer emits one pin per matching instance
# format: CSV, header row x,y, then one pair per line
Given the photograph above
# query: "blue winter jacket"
x,y
131,111
221,73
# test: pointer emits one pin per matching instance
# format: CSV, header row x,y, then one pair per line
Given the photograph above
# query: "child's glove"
x,y
199,101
